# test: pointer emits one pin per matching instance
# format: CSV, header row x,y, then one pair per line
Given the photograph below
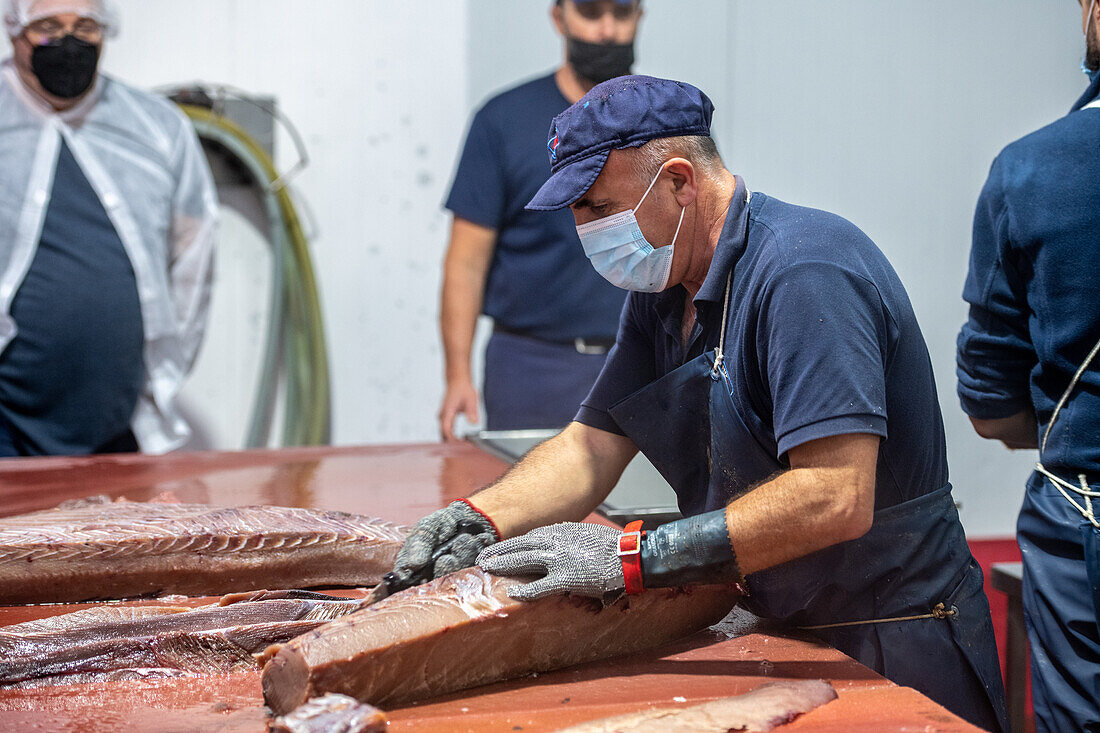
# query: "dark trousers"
x,y
532,384
1061,554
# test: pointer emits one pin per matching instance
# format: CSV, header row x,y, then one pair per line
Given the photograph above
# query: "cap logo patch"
x,y
552,146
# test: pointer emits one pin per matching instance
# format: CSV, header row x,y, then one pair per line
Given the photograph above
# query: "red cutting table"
x,y
403,483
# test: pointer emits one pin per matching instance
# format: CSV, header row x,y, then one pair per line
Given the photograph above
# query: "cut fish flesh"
x,y
113,642
332,713
463,630
129,549
759,711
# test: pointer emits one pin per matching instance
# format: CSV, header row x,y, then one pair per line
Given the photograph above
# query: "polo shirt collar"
x,y
669,305
1089,95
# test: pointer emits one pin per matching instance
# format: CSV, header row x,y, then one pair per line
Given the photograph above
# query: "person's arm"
x,y
995,355
465,269
564,478
1017,432
827,497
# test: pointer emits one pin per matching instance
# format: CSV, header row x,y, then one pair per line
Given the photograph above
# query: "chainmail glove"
x,y
572,557
443,542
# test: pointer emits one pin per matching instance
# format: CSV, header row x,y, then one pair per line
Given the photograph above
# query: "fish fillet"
x,y
463,630
332,713
112,642
763,709
129,549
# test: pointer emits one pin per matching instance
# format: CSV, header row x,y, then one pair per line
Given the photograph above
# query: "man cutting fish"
x,y
769,364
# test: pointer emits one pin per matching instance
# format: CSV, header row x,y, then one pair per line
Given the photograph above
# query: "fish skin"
x,y
462,630
129,549
758,711
332,713
104,642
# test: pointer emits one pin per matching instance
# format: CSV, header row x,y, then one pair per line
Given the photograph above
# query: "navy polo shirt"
x,y
1032,288
822,341
71,377
540,283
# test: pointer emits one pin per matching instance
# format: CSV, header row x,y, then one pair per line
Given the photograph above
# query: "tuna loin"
x,y
129,549
112,642
332,713
763,709
463,630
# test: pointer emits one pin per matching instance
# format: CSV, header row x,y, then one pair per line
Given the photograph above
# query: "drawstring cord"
x,y
939,611
1063,486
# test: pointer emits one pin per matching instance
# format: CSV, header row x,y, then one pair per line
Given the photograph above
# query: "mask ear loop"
x,y
682,209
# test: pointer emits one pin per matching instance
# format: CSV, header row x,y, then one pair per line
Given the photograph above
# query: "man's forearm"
x,y
460,305
828,499
465,269
563,479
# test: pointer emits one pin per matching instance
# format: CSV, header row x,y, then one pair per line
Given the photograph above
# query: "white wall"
x,y
888,113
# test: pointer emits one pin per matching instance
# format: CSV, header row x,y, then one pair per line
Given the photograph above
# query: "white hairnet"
x,y
21,13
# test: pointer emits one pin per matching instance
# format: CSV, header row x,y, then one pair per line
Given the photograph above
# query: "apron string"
x,y
720,352
940,611
1063,486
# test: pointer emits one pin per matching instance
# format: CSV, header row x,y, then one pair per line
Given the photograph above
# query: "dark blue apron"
x,y
914,558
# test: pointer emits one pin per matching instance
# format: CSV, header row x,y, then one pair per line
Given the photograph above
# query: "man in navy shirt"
x,y
770,365
1028,377
554,318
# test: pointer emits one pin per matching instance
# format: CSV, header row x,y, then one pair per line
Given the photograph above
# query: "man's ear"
x,y
559,18
685,184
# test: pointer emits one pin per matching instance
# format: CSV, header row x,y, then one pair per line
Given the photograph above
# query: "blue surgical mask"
x,y
1084,62
1091,73
619,251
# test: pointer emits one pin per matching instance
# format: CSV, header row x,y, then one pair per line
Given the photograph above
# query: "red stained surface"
x,y
402,483
398,483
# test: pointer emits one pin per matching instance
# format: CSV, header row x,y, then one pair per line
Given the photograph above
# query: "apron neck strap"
x,y
720,352
1066,394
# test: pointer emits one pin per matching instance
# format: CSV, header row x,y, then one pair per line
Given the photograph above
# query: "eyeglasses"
x,y
51,30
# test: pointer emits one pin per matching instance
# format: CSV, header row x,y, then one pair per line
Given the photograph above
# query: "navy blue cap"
x,y
624,112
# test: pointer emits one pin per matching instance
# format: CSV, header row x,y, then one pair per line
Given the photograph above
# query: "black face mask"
x,y
65,68
599,62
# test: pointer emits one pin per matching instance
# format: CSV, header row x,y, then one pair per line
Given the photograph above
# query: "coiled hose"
x,y
296,326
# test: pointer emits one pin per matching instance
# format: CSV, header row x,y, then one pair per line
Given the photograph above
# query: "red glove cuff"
x,y
486,517
630,552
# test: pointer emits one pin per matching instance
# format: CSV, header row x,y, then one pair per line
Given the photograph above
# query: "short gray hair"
x,y
699,150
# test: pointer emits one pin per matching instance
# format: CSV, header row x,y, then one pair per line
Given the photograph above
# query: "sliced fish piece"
x,y
109,641
759,711
332,713
463,630
128,549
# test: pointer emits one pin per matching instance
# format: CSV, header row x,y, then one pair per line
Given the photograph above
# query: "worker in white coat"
x,y
107,220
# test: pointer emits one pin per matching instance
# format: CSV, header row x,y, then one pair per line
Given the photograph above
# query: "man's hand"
x,y
573,557
426,547
461,398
